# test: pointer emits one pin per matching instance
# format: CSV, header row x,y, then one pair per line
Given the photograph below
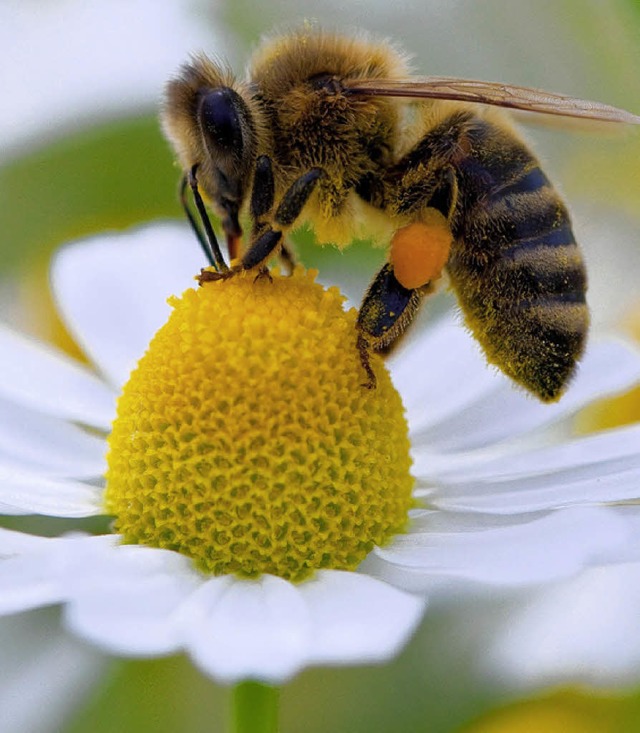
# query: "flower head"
x,y
245,440
249,472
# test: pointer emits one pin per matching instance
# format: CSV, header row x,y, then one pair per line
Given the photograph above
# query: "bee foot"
x,y
263,272
208,276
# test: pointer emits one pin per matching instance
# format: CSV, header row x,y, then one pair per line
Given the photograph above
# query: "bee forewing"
x,y
494,93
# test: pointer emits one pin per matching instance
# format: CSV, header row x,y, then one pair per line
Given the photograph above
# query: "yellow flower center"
x,y
245,439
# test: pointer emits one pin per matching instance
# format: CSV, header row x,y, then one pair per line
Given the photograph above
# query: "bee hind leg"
x,y
386,311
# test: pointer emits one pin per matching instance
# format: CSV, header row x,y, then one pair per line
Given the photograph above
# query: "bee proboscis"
x,y
334,130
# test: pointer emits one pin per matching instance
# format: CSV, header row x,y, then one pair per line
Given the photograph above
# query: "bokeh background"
x,y
81,153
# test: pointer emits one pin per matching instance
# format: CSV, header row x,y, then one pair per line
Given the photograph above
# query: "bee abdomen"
x,y
521,282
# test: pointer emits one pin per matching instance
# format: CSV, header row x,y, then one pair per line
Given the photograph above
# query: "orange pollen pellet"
x,y
420,250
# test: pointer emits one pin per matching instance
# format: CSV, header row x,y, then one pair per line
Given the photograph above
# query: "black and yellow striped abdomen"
x,y
515,265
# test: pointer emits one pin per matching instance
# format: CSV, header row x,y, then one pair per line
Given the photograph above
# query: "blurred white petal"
x,y
440,374
47,381
31,493
52,446
27,583
80,42
578,454
112,291
547,548
138,601
584,631
505,413
18,543
44,673
597,469
358,617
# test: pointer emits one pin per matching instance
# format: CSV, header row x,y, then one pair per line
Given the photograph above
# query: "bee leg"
x,y
268,238
263,272
182,194
210,245
262,199
286,258
445,196
285,215
365,359
296,197
386,311
263,192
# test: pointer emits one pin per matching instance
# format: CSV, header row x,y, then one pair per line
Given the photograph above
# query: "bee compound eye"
x,y
219,115
326,82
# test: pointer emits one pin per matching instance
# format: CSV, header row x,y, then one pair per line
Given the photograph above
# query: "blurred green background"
x,y
81,153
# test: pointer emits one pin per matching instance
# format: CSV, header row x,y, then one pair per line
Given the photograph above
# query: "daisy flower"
x,y
269,513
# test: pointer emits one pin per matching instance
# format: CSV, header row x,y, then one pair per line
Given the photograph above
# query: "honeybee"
x,y
335,131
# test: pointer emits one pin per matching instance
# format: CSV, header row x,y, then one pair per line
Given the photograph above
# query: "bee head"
x,y
228,137
213,131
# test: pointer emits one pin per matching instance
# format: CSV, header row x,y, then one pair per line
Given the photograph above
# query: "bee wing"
x,y
494,93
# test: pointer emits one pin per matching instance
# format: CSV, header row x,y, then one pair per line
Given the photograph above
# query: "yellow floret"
x,y
245,439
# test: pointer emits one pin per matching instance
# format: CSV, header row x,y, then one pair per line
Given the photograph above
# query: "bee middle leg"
x,y
289,209
386,311
287,258
262,200
268,227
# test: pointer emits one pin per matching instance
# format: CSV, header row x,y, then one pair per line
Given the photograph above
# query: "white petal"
x,y
358,618
268,629
47,381
140,601
113,290
26,582
582,631
128,599
30,493
243,629
49,445
440,373
35,571
505,413
547,548
38,662
19,543
599,468
105,82
629,513
10,510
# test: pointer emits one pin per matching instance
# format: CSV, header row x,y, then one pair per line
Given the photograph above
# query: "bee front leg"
x,y
269,233
386,311
209,244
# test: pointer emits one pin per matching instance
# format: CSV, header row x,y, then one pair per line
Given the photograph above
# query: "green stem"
x,y
254,708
